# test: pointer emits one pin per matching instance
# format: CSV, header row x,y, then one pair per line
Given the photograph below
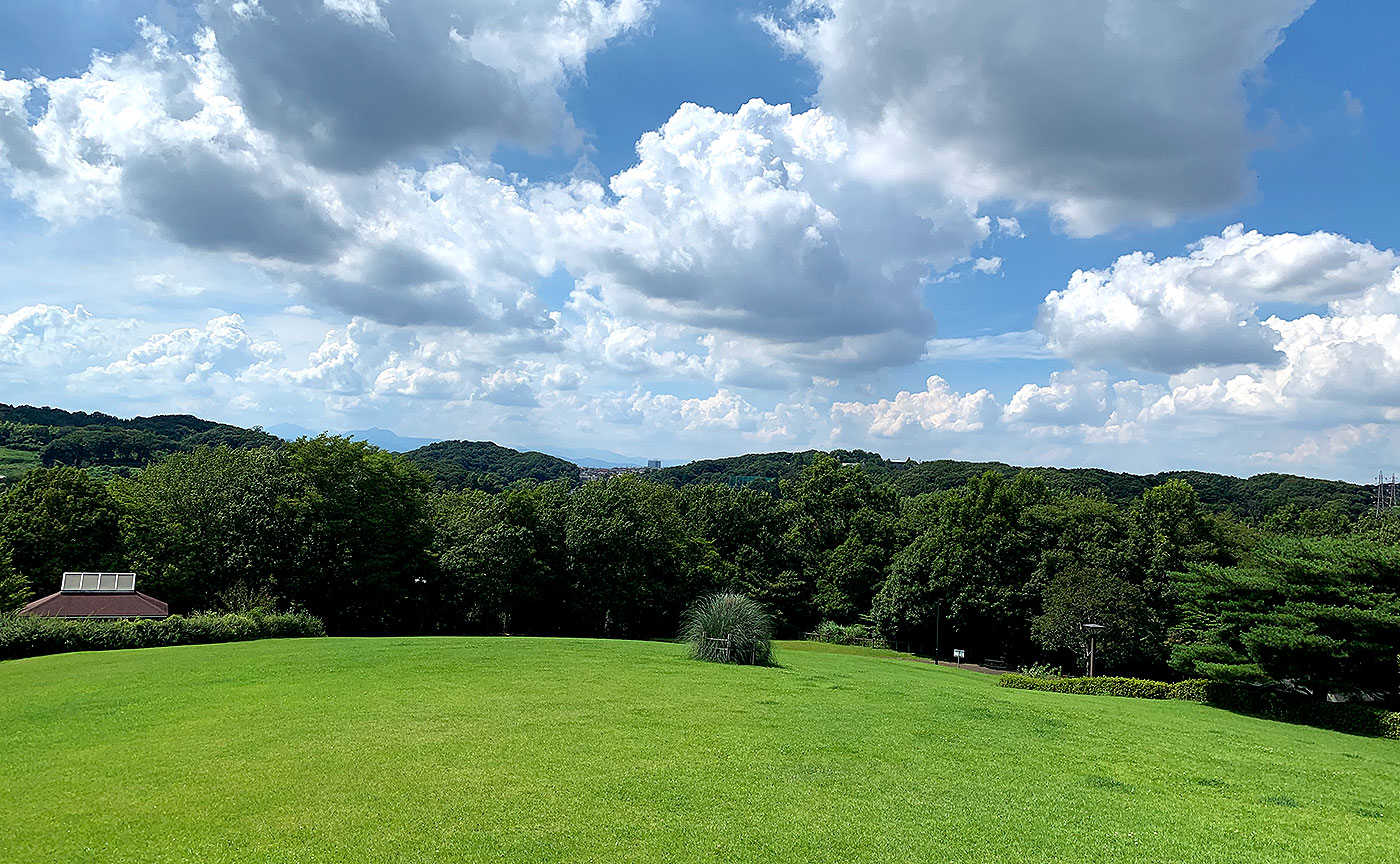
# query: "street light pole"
x,y
937,629
1092,631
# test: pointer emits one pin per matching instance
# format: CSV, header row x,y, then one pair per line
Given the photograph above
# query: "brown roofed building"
x,y
98,595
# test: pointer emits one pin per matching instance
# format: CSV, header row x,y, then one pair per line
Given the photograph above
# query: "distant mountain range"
x,y
384,438
588,457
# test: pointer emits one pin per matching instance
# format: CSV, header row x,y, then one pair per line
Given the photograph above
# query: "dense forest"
x,y
111,446
1007,567
1254,497
487,466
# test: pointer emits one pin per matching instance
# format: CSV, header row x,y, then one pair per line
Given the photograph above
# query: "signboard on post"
x,y
958,655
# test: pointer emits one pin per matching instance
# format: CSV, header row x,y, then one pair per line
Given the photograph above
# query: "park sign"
x,y
958,654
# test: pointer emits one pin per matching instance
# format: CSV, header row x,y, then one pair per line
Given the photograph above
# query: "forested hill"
x,y
31,436
488,466
1254,497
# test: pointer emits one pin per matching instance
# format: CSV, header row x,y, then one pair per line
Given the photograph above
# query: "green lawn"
x,y
14,463
532,750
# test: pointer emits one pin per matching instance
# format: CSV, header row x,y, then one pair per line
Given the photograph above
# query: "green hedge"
x,y
1133,688
30,636
1352,717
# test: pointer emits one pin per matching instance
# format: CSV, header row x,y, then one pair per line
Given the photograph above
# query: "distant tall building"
x,y
653,463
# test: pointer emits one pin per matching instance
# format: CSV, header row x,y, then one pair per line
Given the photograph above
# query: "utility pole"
x,y
937,629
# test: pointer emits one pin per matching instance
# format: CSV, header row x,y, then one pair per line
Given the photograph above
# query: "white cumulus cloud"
x,y
356,82
1107,111
194,359
1177,313
754,223
41,339
937,408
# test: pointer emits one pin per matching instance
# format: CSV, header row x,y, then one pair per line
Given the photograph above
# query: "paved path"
x,y
971,667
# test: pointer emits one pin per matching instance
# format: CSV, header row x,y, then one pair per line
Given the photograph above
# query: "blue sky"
x,y
1118,233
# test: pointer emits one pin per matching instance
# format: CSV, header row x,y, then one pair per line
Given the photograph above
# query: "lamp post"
x,y
1092,631
937,629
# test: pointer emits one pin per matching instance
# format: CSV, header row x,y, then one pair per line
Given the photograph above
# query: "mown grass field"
x,y
530,750
14,463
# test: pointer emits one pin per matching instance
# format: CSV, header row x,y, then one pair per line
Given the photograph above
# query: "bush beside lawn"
x,y
1356,718
32,635
1133,688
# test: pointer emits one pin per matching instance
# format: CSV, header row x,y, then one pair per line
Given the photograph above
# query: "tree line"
x,y
1245,497
1000,567
114,446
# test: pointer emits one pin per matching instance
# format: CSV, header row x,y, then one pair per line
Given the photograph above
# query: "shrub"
x,y
1135,688
245,599
1353,717
1042,670
30,636
1356,718
847,634
728,628
1194,690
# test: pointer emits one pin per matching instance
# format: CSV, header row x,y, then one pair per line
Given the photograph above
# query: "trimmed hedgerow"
x,y
1133,688
30,636
1195,689
1353,717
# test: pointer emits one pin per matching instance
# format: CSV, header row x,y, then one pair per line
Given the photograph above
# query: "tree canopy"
x,y
475,538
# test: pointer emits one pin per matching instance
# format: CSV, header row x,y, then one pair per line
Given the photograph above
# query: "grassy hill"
x,y
14,462
538,750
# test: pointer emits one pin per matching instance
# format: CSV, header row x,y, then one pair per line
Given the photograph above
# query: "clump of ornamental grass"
x,y
728,628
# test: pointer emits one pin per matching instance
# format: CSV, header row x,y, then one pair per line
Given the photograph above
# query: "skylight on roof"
x,y
76,581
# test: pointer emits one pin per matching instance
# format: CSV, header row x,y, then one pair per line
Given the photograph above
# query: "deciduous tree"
x,y
58,519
